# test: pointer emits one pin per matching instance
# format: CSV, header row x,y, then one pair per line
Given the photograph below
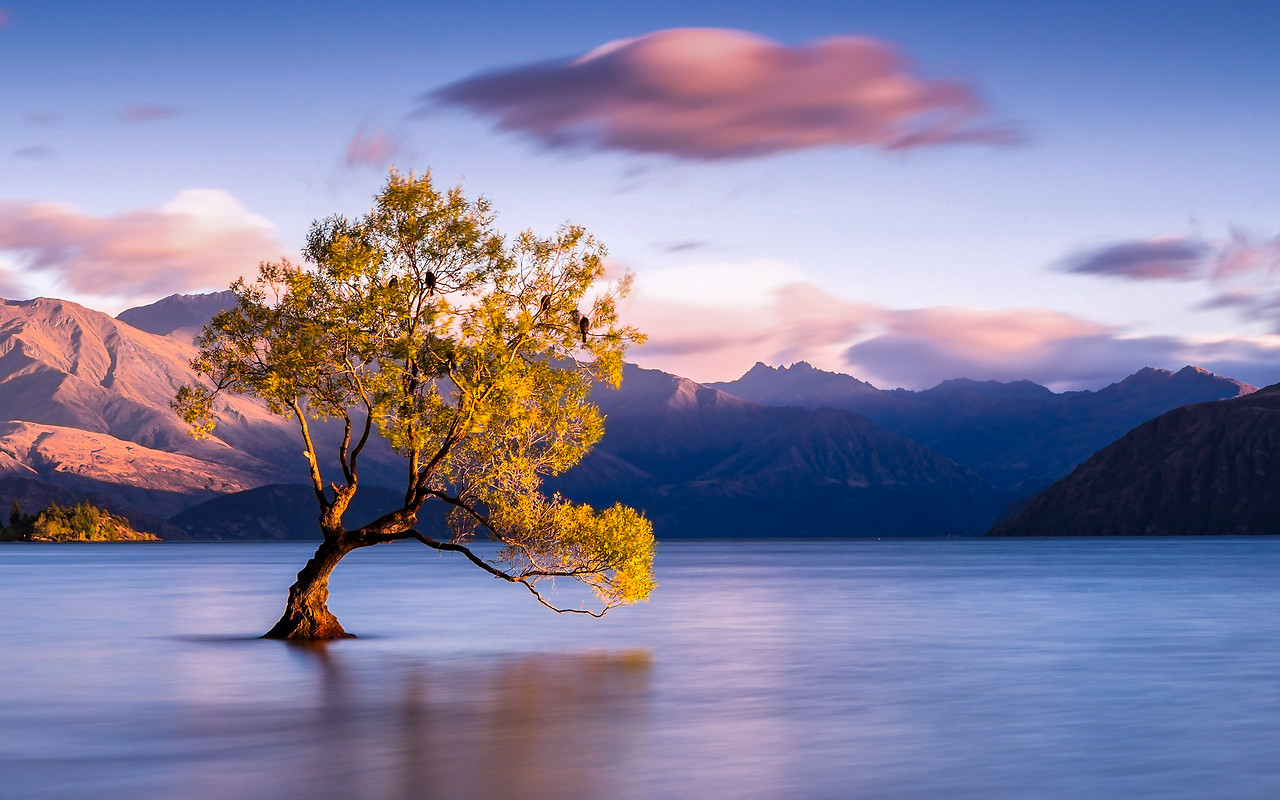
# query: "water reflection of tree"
x,y
567,726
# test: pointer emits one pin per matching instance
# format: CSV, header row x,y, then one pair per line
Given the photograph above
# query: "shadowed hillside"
x,y
1208,468
703,463
287,511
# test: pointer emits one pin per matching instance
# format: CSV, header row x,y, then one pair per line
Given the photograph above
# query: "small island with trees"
x,y
82,522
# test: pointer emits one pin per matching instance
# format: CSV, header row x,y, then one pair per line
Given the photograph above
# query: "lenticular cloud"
x,y
1159,258
717,94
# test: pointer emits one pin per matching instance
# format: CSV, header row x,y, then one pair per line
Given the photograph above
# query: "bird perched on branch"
x,y
431,283
584,324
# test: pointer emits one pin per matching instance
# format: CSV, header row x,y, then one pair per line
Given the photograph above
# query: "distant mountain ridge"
x,y
798,385
1019,435
186,313
703,463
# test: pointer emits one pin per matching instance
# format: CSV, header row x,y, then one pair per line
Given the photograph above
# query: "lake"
x,y
763,669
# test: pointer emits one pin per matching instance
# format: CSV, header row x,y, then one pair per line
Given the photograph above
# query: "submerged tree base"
x,y
306,615
301,629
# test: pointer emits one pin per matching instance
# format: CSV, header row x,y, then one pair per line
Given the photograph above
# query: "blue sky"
x,y
1138,125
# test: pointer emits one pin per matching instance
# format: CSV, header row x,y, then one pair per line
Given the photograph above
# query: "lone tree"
x,y
470,354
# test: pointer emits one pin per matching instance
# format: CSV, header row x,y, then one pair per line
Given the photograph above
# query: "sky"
x,y
907,192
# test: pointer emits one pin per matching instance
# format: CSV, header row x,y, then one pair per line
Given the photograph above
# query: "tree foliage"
x,y
472,354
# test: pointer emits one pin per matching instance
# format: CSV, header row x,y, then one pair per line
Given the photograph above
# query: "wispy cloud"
x,y
701,93
1245,255
766,311
202,239
373,147
33,151
713,321
142,112
1240,270
918,348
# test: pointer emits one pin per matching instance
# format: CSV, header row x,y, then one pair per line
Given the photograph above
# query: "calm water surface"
x,y
899,669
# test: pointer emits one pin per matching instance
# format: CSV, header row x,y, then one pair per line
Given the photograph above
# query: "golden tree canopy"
x,y
472,354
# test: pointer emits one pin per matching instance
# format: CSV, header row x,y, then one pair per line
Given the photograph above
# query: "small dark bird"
x,y
393,283
584,325
431,282
545,304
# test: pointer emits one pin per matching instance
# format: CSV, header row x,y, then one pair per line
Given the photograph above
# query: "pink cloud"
x,y
918,348
1061,364
202,239
1002,333
702,93
372,148
744,313
765,311
147,113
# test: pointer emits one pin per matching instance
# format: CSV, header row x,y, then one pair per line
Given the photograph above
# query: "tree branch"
x,y
368,424
317,484
342,448
453,547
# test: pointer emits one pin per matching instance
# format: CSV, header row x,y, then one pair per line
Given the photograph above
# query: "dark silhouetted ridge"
x,y
1203,469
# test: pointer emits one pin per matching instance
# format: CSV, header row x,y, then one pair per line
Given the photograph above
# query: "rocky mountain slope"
x,y
1020,436
1207,468
84,404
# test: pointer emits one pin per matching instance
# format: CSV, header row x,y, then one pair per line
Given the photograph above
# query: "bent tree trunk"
x,y
307,615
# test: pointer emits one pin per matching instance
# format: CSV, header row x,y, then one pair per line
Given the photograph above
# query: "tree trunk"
x,y
307,615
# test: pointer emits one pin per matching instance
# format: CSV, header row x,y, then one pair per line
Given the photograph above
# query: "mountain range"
x,y
701,462
782,451
1020,436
